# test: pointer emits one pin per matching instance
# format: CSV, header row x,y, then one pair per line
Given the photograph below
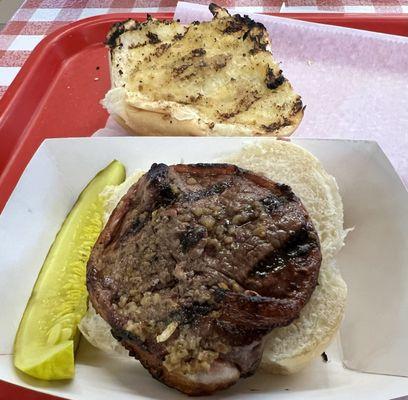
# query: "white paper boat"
x,y
374,263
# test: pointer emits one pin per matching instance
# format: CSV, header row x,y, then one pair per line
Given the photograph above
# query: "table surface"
x,y
37,18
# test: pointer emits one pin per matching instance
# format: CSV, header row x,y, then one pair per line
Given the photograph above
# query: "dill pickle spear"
x,y
47,336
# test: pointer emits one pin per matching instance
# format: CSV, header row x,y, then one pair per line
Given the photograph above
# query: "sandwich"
x,y
215,78
205,272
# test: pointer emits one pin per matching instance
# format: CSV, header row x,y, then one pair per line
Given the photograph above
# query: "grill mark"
x,y
136,225
273,262
277,125
158,179
122,335
273,203
183,78
219,65
248,101
297,106
136,46
217,188
153,38
233,26
286,190
178,36
180,69
227,115
198,52
117,29
187,314
244,104
231,168
160,50
215,9
191,237
256,32
273,81
300,244
216,62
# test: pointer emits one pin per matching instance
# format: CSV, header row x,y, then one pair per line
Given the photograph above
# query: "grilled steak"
x,y
196,264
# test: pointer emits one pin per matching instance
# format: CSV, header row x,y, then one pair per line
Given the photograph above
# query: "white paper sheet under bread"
x,y
290,348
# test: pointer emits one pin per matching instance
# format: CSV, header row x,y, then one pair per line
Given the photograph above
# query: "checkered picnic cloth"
x,y
37,18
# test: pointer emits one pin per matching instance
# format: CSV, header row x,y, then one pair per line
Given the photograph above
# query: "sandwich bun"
x,y
287,349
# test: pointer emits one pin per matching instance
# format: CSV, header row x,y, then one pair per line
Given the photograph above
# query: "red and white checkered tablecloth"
x,y
37,18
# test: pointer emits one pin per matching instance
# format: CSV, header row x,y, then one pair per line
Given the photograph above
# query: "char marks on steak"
x,y
196,265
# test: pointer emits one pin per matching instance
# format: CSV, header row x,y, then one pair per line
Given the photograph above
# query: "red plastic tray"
x,y
57,91
57,94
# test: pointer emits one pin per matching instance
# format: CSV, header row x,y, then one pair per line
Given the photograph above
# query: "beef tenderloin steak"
x,y
196,265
